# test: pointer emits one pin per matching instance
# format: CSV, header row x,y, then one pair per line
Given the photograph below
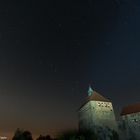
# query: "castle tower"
x,y
130,121
96,111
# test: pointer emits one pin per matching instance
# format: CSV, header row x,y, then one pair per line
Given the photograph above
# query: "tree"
x,y
27,135
22,135
48,137
76,135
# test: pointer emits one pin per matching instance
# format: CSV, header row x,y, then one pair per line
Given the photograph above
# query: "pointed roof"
x,y
135,108
95,96
90,91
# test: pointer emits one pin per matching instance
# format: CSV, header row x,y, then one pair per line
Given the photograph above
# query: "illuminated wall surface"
x,y
97,113
130,125
100,114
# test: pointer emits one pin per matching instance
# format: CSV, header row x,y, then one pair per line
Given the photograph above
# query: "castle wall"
x,y
85,117
97,113
103,114
130,125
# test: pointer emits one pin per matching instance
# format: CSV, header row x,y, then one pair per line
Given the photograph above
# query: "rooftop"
x,y
134,108
95,96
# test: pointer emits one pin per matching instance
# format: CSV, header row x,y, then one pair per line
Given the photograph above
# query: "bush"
x,y
76,135
22,135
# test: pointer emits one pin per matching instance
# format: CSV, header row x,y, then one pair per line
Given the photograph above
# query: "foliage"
x,y
102,134
44,137
22,135
107,133
76,135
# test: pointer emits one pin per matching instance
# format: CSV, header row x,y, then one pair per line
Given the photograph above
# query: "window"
x,y
135,120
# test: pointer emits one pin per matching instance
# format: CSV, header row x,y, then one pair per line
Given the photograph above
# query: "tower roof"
x,y
95,96
90,91
131,109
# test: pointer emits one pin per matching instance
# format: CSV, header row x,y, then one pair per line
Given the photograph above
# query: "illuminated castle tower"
x,y
97,111
130,121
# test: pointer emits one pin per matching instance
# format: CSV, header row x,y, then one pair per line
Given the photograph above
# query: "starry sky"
x,y
50,51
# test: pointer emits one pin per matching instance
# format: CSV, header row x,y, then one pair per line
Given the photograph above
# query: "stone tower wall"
x,y
97,113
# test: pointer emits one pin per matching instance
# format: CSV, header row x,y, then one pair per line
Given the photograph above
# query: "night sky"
x,y
50,51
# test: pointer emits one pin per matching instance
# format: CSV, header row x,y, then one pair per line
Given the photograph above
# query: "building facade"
x,y
130,122
96,112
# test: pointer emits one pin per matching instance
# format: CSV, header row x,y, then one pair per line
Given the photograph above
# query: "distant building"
x,y
3,138
130,122
96,112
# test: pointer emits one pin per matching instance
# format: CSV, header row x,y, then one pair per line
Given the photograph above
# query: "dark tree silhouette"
x,y
76,135
27,135
103,134
44,137
22,135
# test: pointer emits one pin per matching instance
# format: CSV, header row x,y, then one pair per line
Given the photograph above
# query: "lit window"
x,y
135,120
